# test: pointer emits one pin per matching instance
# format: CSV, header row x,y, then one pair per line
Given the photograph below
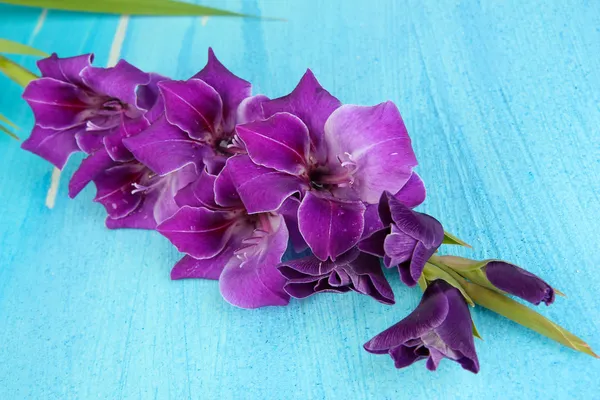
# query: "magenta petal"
x,y
52,145
141,218
311,103
289,211
231,89
164,148
120,82
413,193
330,226
376,141
373,244
193,106
209,268
90,141
90,167
113,142
225,192
252,280
261,189
281,142
251,109
115,188
372,221
199,193
65,69
55,104
199,232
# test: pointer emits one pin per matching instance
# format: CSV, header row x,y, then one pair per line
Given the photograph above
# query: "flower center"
x,y
337,174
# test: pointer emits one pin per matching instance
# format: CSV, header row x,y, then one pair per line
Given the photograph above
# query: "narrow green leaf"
x,y
476,332
422,282
432,272
462,264
525,316
9,133
130,7
10,47
7,121
451,239
14,71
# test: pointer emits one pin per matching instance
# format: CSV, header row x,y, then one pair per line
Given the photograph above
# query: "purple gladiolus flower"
x,y
439,327
352,270
199,120
222,241
408,241
335,157
518,282
80,107
133,195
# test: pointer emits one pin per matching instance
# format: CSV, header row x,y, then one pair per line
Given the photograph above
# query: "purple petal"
x,y
281,142
113,142
115,187
422,227
65,69
141,218
457,329
199,193
289,211
231,89
91,166
374,243
164,148
368,278
119,82
167,187
90,141
330,226
372,221
252,280
404,356
413,193
198,232
376,140
149,98
306,266
225,192
209,268
309,102
429,314
193,106
399,246
52,145
55,104
251,109
261,189
519,282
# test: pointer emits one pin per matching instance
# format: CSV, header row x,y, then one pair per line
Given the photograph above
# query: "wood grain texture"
x,y
502,100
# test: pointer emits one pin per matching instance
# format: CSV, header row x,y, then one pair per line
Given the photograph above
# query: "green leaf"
x,y
9,133
476,332
7,121
451,239
525,316
10,47
129,7
432,272
461,264
14,71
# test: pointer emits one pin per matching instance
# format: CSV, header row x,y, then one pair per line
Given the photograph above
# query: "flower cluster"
x,y
232,179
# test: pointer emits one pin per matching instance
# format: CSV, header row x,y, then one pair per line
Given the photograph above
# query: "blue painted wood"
x,y
502,101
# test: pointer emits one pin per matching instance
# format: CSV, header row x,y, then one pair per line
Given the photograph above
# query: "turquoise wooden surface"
x,y
502,99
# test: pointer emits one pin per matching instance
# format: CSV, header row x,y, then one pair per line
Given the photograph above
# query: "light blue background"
x,y
502,99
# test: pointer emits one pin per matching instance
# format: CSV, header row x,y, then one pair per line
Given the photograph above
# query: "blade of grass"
x,y
14,71
7,121
130,7
9,133
10,47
